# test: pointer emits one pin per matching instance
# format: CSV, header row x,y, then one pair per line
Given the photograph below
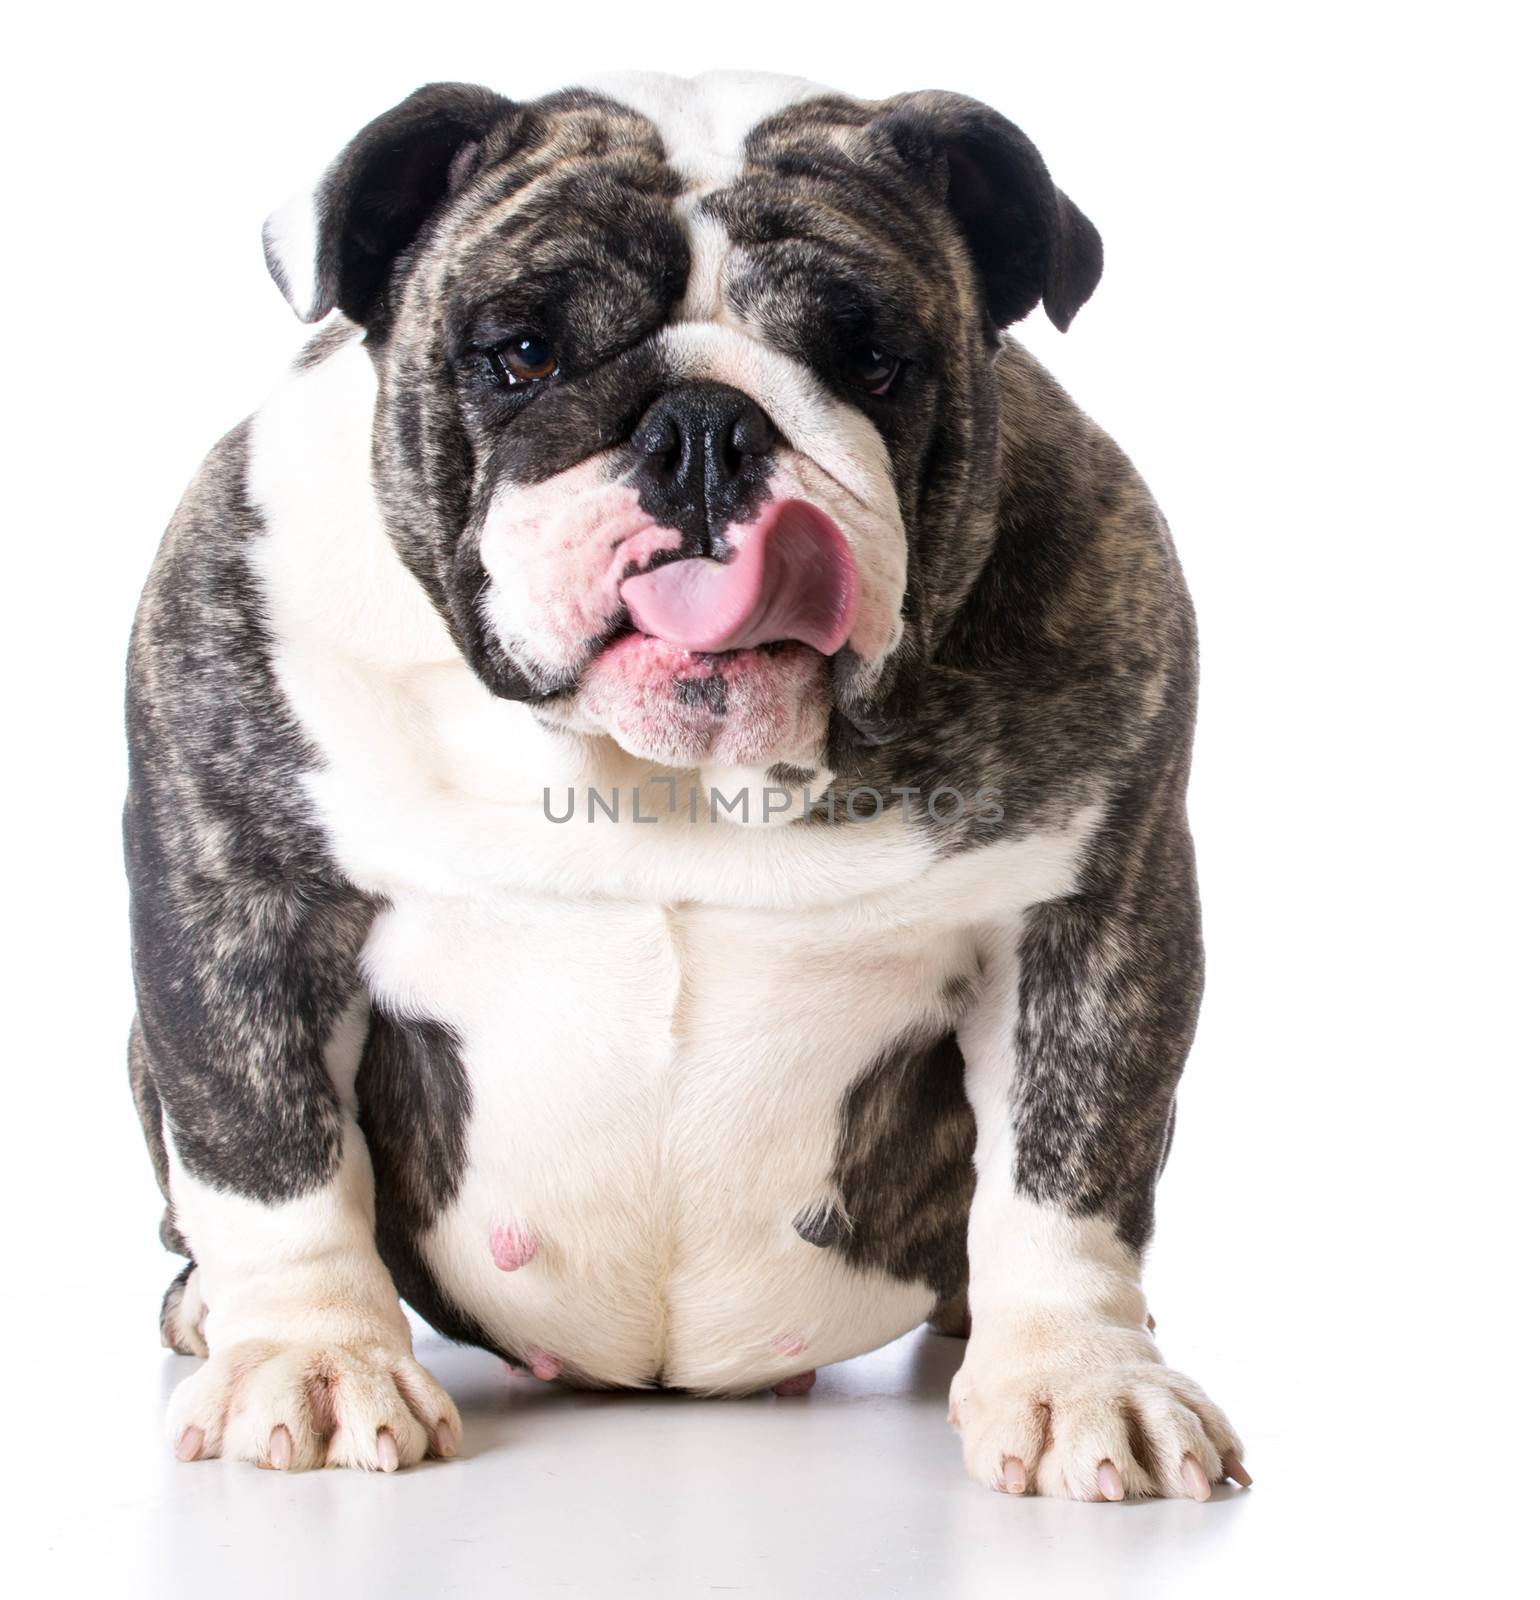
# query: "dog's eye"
x,y
525,359
876,370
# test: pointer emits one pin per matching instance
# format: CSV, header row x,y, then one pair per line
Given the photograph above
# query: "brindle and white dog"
x,y
656,820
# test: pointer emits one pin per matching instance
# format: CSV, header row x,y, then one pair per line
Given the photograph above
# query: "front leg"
x,y
1073,1048
251,1025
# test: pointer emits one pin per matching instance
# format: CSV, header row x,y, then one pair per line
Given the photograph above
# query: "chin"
x,y
687,708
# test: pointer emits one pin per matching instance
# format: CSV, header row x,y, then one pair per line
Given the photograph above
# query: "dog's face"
x,y
687,417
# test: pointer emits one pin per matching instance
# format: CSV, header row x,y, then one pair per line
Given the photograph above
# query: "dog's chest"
x,y
656,1097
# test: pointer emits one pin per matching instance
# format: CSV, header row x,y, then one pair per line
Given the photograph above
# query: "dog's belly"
x,y
655,1099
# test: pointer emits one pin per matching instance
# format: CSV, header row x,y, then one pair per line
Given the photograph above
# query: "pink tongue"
x,y
791,578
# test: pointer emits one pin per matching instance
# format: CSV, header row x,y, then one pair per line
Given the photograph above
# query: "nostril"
x,y
658,435
752,434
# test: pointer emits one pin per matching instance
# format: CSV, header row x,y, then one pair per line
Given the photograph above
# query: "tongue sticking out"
x,y
791,577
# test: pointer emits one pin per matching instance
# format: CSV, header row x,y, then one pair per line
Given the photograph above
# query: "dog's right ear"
x,y
335,246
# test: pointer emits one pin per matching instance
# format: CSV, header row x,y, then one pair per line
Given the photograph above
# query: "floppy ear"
x,y
1029,242
334,247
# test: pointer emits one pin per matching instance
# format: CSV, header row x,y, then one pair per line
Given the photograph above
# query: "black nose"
x,y
705,452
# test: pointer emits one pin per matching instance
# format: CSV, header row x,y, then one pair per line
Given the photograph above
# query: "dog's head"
x,y
688,421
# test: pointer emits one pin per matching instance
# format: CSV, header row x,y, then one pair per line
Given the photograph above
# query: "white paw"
x,y
312,1405
1084,1429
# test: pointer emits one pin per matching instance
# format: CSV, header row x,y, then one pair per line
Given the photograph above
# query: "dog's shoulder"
x,y
197,624
1082,598
1079,522
215,751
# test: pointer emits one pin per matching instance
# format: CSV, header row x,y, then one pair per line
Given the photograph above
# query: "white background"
x,y
1315,337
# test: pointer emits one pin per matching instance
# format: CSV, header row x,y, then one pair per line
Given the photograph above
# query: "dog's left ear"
x,y
1030,243
335,246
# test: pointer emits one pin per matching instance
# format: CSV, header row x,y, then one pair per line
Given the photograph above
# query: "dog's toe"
x,y
294,1406
1103,1433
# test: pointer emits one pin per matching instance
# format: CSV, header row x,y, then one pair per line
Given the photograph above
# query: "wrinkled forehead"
x,y
704,124
643,198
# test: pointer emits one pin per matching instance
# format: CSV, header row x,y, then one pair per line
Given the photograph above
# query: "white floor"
x,y
854,1490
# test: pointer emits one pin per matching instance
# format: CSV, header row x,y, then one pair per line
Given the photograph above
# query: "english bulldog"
x,y
656,810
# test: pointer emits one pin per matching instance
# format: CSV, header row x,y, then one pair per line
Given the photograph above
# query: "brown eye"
x,y
876,370
527,359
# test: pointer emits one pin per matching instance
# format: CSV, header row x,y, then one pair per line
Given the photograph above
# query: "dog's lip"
x,y
624,634
791,577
